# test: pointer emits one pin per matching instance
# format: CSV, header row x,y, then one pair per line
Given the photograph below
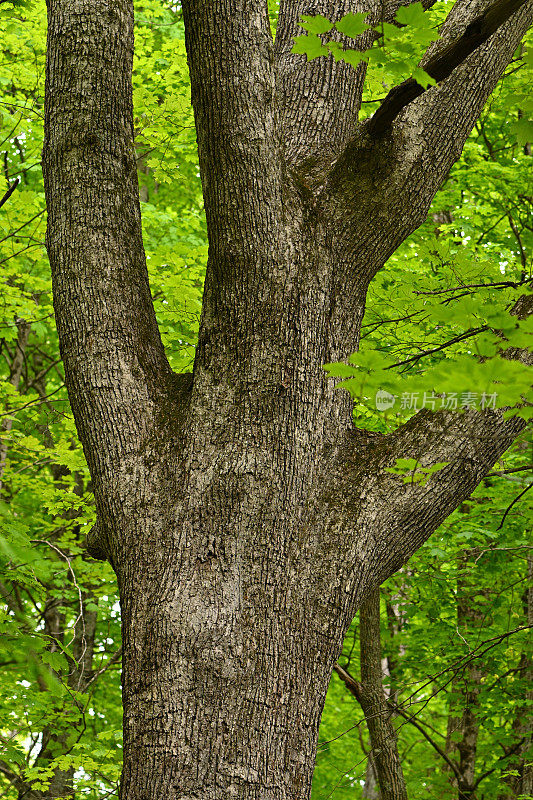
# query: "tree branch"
x,y
392,518
442,65
530,486
15,373
13,233
320,98
528,468
116,371
376,175
354,687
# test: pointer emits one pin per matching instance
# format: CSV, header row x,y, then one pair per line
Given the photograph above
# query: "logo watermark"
x,y
384,400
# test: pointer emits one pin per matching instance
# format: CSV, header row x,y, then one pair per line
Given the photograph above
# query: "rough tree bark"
x,y
245,517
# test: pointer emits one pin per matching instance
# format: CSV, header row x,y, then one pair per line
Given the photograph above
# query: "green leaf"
x,y
352,25
523,130
414,16
309,45
422,77
316,24
353,57
56,660
339,370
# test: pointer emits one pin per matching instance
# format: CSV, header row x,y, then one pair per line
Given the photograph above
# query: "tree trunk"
x,y
374,704
463,728
520,782
526,766
245,517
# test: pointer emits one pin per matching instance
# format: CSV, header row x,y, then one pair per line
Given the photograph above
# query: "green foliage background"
x,y
426,308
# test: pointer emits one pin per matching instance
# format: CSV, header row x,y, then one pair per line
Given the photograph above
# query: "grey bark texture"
x,y
245,517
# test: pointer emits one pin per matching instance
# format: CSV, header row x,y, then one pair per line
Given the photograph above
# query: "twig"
x,y
33,402
530,486
500,284
455,340
354,688
509,471
115,658
9,235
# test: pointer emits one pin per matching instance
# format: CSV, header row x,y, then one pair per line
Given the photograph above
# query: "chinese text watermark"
x,y
451,401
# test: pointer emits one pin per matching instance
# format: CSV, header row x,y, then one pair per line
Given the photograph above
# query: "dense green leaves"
x,y
440,321
463,595
452,620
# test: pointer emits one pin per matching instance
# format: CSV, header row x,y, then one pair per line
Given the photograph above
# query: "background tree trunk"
x,y
378,713
370,789
521,764
463,729
385,759
15,374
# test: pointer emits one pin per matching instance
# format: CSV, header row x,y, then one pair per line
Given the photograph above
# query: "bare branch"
x,y
9,192
530,486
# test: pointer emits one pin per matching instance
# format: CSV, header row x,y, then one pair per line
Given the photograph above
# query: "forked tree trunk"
x,y
245,518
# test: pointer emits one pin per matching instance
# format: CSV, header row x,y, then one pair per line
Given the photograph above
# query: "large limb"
x,y
231,62
378,520
405,166
378,191
320,98
441,64
115,368
430,132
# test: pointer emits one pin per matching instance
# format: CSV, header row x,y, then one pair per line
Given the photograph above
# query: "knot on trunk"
x,y
97,543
